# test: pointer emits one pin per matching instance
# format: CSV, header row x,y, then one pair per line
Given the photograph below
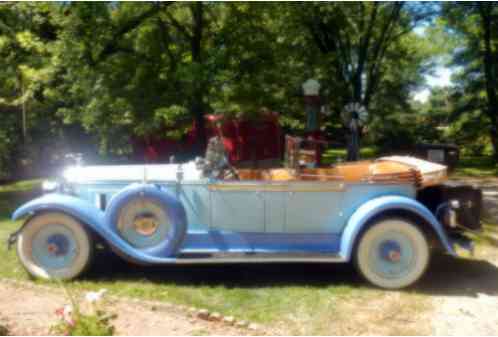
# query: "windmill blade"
x,y
354,110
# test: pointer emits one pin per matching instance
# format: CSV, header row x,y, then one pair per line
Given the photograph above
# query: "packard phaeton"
x,y
387,216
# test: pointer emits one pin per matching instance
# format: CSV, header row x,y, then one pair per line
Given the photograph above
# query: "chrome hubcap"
x,y
390,251
54,247
57,245
394,256
145,224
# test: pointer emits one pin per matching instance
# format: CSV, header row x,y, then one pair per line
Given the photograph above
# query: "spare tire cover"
x,y
149,218
143,222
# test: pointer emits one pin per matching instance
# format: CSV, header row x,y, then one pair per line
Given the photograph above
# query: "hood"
x,y
111,173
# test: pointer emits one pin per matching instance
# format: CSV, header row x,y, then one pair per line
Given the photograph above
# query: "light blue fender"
x,y
99,221
386,203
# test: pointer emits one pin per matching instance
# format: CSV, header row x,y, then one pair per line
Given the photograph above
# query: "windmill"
x,y
354,116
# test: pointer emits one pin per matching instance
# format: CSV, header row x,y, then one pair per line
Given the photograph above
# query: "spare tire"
x,y
143,222
148,218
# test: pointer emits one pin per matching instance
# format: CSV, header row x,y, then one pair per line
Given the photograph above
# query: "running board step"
x,y
203,258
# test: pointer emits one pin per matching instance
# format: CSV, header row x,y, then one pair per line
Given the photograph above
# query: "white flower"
x,y
67,314
68,310
93,296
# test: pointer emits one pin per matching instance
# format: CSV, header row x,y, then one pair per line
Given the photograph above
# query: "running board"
x,y
221,258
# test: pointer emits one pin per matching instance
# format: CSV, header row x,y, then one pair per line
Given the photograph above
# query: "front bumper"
x,y
12,239
463,245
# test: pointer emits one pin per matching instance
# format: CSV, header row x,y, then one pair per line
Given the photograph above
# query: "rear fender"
x,y
376,207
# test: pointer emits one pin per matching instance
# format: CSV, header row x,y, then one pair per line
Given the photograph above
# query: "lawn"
x,y
293,294
335,155
482,167
296,298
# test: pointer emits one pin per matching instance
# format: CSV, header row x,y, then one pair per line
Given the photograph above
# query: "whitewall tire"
x,y
54,245
393,253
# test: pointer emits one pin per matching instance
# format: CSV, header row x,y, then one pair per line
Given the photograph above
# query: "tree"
x,y
369,47
27,36
360,38
123,70
476,25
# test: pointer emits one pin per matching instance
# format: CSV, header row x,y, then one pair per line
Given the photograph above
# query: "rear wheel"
x,y
393,253
54,245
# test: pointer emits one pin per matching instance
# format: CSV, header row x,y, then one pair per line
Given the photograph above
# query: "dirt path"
x,y
31,311
468,304
457,297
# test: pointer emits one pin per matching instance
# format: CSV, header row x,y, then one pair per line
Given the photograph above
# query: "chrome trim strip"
x,y
215,186
293,186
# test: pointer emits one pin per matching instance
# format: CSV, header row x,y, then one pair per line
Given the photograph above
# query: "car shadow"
x,y
451,276
112,268
446,275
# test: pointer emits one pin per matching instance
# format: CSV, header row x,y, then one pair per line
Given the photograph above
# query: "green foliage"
x,y
475,113
112,70
393,136
85,325
95,321
473,166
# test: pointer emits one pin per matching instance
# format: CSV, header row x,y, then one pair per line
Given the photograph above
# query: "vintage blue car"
x,y
387,216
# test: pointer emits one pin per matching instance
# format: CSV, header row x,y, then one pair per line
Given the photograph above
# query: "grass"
x,y
339,155
12,195
297,299
294,294
489,237
477,167
468,166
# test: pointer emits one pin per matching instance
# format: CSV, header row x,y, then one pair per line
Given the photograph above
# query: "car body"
x,y
183,213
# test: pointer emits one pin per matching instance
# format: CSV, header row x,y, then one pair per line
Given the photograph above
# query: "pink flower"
x,y
59,312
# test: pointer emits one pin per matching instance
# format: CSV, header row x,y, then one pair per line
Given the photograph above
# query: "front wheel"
x,y
54,245
392,253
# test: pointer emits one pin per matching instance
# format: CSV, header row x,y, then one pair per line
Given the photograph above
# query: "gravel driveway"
x,y
470,306
458,297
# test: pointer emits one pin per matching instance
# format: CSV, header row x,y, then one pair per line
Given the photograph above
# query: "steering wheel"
x,y
228,171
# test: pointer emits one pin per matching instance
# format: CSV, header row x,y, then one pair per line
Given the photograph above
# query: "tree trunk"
x,y
494,141
24,117
490,76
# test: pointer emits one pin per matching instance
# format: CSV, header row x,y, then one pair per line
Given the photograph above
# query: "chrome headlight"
x,y
49,186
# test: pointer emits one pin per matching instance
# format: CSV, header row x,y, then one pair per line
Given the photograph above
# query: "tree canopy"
x,y
98,73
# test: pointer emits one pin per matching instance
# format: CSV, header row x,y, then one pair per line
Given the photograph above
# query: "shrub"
x,y
74,322
4,331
